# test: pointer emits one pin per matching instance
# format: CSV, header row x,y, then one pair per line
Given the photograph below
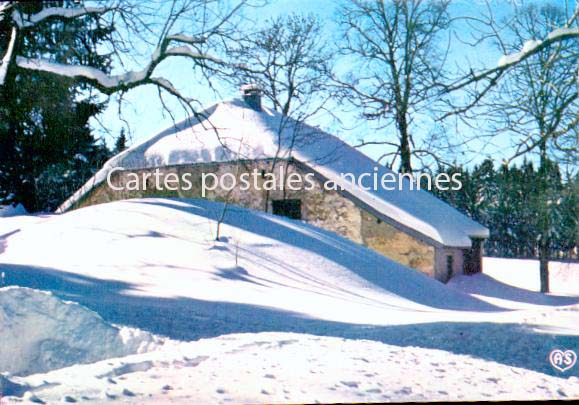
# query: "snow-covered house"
x,y
239,138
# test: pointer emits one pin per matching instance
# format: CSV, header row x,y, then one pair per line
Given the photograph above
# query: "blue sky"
x,y
143,115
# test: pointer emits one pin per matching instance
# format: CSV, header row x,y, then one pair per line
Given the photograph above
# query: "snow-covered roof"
x,y
248,134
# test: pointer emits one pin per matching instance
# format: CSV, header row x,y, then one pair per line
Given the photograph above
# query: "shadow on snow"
x,y
189,319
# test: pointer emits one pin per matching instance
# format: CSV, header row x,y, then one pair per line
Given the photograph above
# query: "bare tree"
x,y
290,62
394,48
191,29
530,98
538,105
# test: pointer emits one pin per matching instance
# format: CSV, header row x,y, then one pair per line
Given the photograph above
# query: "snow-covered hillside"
x,y
154,264
160,256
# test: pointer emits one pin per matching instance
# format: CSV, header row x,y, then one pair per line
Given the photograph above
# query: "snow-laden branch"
x,y
7,58
23,21
186,39
189,53
169,46
4,7
533,46
91,74
529,49
30,20
109,84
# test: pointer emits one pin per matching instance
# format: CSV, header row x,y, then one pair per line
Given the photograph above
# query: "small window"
x,y
287,208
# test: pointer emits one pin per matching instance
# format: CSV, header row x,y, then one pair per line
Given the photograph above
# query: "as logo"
x,y
563,360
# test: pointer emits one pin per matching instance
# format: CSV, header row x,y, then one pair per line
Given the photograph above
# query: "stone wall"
x,y
443,273
397,245
327,209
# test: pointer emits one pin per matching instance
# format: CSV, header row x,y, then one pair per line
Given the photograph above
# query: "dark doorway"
x,y
287,208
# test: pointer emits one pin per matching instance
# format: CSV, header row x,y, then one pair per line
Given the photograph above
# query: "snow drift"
x,y
154,264
40,332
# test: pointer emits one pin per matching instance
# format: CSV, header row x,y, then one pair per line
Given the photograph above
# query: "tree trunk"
x,y
405,155
544,218
544,266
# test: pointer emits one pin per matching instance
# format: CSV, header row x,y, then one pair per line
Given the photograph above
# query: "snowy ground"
x,y
563,276
310,315
293,368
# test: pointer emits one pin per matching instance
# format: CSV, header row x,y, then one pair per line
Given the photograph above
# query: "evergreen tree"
x,y
121,142
517,203
45,138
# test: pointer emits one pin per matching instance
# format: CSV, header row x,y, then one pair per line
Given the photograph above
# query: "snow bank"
x,y
40,332
12,211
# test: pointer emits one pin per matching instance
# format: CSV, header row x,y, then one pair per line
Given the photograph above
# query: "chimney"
x,y
252,96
